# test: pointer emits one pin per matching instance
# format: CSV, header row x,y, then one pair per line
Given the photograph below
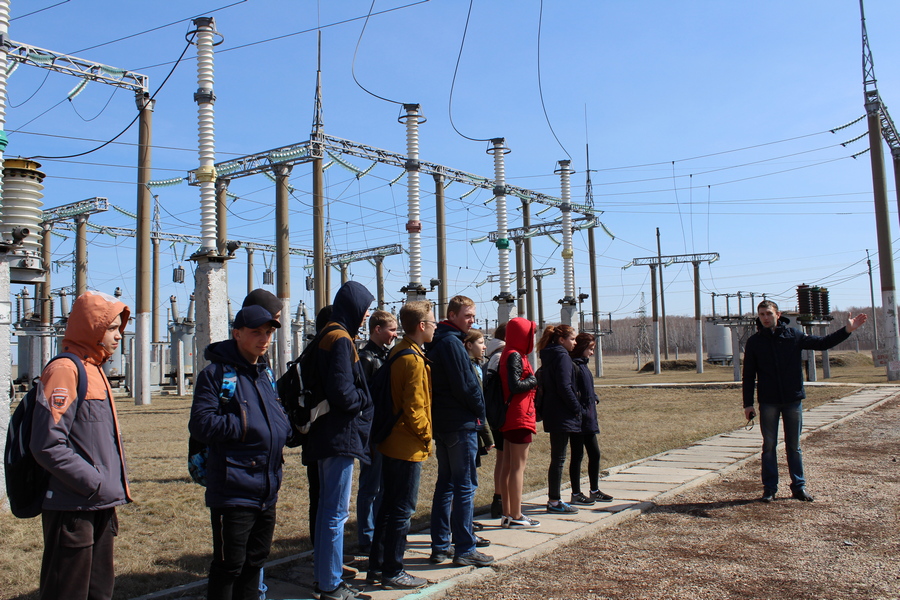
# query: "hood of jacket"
x,y
520,335
782,322
91,314
493,345
350,305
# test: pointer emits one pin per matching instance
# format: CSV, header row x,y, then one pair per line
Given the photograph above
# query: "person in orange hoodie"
x,y
80,445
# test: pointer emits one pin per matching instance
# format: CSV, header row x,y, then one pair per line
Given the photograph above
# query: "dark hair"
x,y
553,333
583,341
500,332
767,304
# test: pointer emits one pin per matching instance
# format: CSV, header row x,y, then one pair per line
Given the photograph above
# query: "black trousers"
x,y
78,554
579,443
242,538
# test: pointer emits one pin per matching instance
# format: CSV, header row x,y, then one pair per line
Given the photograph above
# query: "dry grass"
x,y
164,535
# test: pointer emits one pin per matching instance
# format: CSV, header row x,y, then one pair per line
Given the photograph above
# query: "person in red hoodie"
x,y
518,382
80,445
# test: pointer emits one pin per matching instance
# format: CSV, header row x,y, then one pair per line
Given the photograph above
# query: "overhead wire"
x,y
462,44
34,12
353,63
540,86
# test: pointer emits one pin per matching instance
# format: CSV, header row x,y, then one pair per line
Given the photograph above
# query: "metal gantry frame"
x,y
655,262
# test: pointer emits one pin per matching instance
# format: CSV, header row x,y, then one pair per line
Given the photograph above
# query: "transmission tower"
x,y
643,345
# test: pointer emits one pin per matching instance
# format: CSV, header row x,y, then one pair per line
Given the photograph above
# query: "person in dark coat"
x,y
773,368
586,441
457,412
561,410
341,435
246,436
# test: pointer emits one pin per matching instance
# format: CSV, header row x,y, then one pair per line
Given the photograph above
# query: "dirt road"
x,y
718,542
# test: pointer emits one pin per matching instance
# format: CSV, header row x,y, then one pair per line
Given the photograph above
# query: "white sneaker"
x,y
522,523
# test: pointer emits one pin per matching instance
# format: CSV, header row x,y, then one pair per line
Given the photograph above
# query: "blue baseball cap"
x,y
254,316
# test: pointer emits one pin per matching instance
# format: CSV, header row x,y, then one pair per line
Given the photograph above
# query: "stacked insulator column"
x,y
22,213
412,119
567,253
206,98
500,151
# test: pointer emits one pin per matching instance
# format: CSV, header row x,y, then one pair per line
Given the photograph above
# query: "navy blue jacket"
x,y
587,395
457,402
246,439
772,359
344,429
562,411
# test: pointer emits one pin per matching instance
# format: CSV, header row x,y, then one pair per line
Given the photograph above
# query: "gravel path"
x,y
717,542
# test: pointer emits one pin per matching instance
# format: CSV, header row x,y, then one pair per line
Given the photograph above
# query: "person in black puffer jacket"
x,y
562,411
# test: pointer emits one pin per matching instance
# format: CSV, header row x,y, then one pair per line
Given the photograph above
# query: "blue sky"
x,y
710,120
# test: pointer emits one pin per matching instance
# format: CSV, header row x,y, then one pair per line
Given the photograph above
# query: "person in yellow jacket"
x,y
404,450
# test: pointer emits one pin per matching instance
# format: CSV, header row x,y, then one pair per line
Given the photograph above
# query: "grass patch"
x,y
164,537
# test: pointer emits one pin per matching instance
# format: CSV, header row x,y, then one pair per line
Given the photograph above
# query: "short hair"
x,y
766,304
380,318
414,312
473,336
500,332
583,341
457,303
553,333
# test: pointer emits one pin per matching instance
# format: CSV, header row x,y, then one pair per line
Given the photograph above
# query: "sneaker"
x,y
348,572
481,542
524,522
504,522
473,559
598,496
439,556
476,526
496,507
373,577
561,508
403,581
582,500
341,592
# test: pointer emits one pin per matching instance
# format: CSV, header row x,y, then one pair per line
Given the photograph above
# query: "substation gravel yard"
x,y
718,542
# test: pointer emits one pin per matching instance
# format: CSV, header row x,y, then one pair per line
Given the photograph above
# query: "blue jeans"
x,y
242,538
401,491
368,500
792,415
335,480
455,488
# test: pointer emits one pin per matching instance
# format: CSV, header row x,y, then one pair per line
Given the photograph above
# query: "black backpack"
x,y
383,416
26,480
495,404
300,392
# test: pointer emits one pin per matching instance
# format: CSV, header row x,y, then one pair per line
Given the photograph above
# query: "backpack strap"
x,y
82,374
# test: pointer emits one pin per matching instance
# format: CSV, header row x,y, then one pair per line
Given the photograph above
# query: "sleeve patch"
x,y
58,397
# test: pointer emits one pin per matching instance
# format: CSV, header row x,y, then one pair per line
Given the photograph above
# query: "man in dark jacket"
x,y
457,412
341,435
246,431
773,363
382,333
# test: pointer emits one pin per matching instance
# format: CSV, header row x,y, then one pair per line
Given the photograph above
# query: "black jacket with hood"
x,y
344,429
773,360
457,401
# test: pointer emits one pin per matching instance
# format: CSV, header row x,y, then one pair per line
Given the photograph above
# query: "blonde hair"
x,y
380,318
414,312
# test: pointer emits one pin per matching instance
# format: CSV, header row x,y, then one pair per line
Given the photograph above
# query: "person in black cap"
x,y
245,431
266,299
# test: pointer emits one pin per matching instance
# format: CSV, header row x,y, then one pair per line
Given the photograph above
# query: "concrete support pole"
x,y
5,305
529,267
379,277
662,296
520,276
505,300
441,234
321,287
595,305
890,331
80,254
250,285
810,359
345,273
283,265
412,119
657,367
154,294
826,365
736,353
698,319
222,215
144,308
211,305
540,304
180,379
44,298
